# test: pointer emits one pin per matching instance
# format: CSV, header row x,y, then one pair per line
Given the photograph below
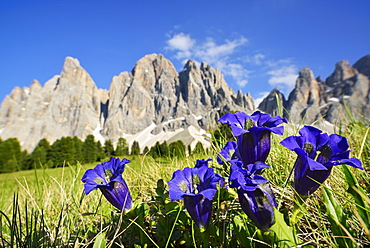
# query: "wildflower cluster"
x,y
245,159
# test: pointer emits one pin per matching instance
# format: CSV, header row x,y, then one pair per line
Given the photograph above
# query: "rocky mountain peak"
x,y
272,101
306,74
154,102
327,102
190,65
153,99
342,71
305,98
70,64
363,65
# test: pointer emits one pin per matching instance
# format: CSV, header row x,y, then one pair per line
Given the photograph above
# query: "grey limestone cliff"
x,y
343,95
67,105
148,103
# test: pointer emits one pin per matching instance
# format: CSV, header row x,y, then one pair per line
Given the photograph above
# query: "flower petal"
x,y
200,210
258,208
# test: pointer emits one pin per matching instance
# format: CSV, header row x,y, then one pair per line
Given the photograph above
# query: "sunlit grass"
x,y
64,215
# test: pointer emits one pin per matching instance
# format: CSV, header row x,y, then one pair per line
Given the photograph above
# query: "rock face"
x,y
154,95
67,105
272,102
154,103
344,94
151,103
305,100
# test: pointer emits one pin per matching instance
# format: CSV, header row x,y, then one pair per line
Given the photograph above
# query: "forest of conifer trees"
x,y
71,150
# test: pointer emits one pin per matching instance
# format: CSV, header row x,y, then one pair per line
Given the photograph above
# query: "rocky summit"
x,y
344,95
154,103
151,103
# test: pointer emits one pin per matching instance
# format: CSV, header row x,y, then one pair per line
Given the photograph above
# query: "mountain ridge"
x,y
152,100
327,102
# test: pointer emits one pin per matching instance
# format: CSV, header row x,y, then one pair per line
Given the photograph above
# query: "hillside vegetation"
x,y
48,207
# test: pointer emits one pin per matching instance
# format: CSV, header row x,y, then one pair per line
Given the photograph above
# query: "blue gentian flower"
x,y
317,153
254,192
228,153
253,133
197,187
107,177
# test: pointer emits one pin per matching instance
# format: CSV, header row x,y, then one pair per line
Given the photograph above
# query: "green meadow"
x,y
48,207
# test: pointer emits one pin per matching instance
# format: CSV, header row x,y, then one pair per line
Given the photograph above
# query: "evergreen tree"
x,y
89,149
63,152
177,149
78,149
38,157
163,149
155,151
122,148
135,148
146,150
11,157
108,148
198,149
100,154
46,145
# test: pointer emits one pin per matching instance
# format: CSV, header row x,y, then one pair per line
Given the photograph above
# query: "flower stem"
x,y
173,227
205,237
297,210
285,184
192,234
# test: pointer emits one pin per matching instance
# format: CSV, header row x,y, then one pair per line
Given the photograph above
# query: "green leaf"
x,y
350,178
362,201
241,231
339,226
284,235
100,241
333,208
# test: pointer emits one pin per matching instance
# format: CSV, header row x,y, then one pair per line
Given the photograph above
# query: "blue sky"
x,y
257,44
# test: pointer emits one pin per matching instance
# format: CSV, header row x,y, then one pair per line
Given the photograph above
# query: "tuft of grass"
x,y
47,207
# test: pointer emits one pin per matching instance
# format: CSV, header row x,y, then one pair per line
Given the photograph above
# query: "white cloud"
x,y
211,52
236,71
220,56
286,75
283,74
180,42
256,59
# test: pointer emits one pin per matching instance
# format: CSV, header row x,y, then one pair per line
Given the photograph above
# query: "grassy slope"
x,y
58,193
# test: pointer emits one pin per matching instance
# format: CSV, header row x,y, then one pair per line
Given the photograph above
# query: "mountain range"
x,y
154,102
151,103
345,94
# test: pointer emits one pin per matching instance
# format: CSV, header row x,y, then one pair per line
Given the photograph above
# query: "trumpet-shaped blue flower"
x,y
253,133
228,153
197,187
317,153
107,177
255,194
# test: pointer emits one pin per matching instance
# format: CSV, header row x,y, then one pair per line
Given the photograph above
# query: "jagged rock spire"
x,y
153,99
